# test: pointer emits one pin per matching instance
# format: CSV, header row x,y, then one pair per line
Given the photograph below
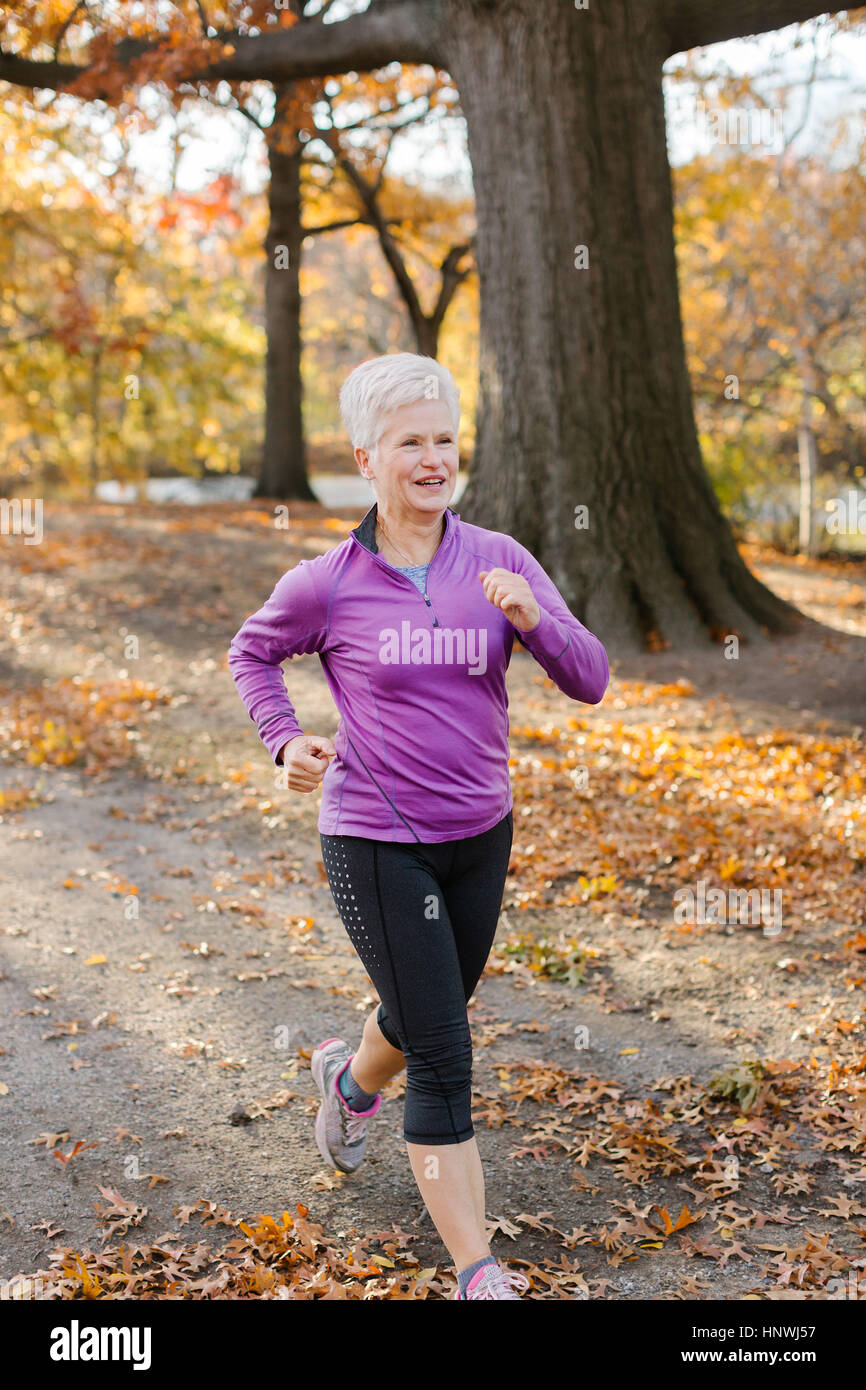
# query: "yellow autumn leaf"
x,y
91,1286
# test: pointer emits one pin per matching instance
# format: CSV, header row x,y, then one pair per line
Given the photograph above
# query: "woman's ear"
x,y
362,458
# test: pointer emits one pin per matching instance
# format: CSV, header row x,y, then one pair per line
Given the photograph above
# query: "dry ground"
x,y
171,953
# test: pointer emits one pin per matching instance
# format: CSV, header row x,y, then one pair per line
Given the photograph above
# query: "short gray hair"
x,y
382,384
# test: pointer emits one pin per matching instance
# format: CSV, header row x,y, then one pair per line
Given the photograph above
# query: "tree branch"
x,y
407,31
373,214
250,115
70,19
452,279
38,336
334,226
694,23
24,72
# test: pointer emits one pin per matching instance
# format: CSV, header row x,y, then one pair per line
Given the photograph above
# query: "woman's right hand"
x,y
306,760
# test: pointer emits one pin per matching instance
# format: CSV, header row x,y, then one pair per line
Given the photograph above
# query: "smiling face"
x,y
414,469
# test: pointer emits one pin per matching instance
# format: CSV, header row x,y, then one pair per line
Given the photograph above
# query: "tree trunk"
x,y
283,473
426,336
95,416
807,450
584,394
808,456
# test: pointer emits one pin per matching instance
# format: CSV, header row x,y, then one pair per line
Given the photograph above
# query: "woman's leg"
x,y
473,893
372,1066
450,1180
392,904
473,896
376,1061
444,1171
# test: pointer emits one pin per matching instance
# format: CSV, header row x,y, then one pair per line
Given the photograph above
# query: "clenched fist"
x,y
306,760
511,593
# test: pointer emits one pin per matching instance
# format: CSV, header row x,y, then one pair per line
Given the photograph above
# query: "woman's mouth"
x,y
432,483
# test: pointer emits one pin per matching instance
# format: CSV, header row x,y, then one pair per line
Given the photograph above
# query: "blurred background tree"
x,y
130,328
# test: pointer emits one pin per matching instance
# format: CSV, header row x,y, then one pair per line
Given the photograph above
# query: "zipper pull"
x,y
430,606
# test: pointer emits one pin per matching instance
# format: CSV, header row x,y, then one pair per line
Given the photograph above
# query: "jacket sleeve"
x,y
293,622
568,652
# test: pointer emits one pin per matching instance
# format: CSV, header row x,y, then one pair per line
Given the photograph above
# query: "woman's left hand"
x,y
511,593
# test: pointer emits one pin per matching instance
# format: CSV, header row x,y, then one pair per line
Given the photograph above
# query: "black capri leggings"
x,y
422,918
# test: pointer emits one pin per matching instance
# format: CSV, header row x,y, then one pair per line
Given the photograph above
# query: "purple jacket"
x,y
419,682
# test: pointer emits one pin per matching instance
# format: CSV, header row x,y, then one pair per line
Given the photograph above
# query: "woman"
x,y
413,618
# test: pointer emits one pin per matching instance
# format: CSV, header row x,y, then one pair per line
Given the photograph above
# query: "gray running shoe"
x,y
341,1132
492,1281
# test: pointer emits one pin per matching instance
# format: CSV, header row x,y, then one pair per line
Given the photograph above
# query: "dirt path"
x,y
170,955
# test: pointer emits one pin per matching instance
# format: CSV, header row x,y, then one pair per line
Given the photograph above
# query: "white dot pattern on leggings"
x,y
346,901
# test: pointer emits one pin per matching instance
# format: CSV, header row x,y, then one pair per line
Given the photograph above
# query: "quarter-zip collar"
x,y
365,532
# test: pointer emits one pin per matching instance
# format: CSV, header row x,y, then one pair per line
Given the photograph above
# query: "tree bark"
x,y
283,472
694,23
584,393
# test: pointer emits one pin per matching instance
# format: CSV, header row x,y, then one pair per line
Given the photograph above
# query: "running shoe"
x,y
341,1132
492,1281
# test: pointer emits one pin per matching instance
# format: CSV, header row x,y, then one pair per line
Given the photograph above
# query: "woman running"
x,y
413,618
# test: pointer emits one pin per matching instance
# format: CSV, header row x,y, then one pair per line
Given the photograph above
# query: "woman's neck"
x,y
408,542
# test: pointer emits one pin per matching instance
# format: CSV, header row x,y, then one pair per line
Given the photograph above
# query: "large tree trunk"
x,y
283,473
584,393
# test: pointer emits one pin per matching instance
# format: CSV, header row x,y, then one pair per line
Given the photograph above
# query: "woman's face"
x,y
415,468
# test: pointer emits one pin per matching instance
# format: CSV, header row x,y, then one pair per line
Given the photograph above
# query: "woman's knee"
x,y
438,1106
384,1028
443,1068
